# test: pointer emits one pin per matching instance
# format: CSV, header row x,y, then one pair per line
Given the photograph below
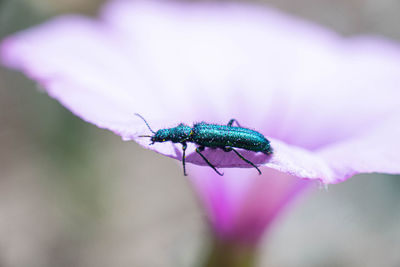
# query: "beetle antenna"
x,y
148,126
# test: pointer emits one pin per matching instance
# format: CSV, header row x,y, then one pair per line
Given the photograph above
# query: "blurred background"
x,y
74,195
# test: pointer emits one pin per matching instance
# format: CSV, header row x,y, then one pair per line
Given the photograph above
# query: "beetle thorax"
x,y
178,134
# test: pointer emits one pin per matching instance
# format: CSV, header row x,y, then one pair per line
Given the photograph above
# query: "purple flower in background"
x,y
330,106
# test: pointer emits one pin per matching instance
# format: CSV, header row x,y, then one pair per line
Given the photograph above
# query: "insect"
x,y
226,137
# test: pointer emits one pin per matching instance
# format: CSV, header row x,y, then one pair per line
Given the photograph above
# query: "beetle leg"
x,y
201,148
184,146
230,123
227,149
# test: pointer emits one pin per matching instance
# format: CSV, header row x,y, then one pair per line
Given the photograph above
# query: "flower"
x,y
242,205
328,104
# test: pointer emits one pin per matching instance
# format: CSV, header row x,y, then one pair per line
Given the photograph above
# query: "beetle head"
x,y
161,135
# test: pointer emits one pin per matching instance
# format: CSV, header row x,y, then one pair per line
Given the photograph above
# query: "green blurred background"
x,y
75,195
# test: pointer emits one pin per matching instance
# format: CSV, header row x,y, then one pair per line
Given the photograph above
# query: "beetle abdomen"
x,y
213,135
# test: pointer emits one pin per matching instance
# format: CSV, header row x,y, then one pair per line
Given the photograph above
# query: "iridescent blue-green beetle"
x,y
226,137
